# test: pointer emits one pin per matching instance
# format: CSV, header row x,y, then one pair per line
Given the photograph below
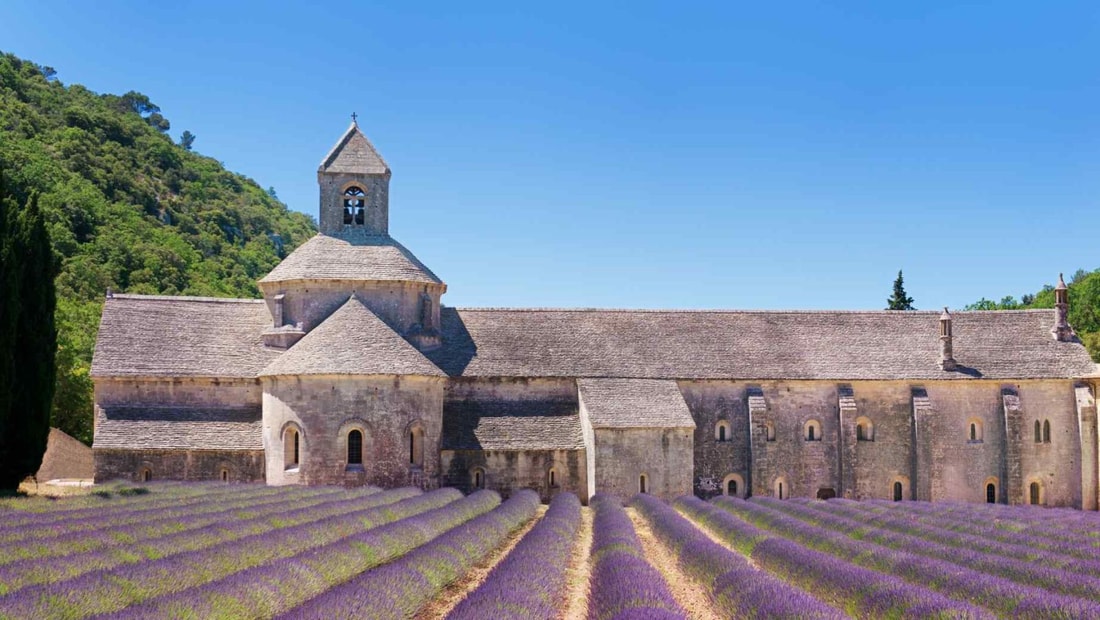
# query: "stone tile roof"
x,y
353,154
179,428
751,345
161,336
511,425
351,257
634,403
352,341
65,457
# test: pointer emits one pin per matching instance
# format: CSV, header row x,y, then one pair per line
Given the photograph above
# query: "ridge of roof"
x,y
361,158
220,300
352,341
921,313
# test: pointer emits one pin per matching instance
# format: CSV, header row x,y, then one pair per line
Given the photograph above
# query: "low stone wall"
x,y
65,458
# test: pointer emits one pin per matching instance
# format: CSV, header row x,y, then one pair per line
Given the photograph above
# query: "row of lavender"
x,y
914,563
111,589
189,533
855,589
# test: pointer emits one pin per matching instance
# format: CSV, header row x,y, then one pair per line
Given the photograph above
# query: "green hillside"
x,y
1084,306
128,209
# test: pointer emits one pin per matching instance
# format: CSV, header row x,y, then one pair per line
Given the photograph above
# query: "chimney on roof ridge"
x,y
947,359
1062,331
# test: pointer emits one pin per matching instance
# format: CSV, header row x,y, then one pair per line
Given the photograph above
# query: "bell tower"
x,y
355,187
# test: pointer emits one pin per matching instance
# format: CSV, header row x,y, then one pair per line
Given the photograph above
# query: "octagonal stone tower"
x,y
353,255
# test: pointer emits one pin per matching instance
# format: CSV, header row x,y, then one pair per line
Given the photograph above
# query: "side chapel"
x,y
350,371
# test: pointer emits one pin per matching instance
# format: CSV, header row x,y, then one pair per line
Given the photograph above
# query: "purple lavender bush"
x,y
865,592
955,580
47,569
623,584
111,590
275,587
528,584
400,588
735,587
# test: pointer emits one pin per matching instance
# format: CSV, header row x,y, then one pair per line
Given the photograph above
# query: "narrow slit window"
x,y
642,484
1038,432
991,493
898,490
1046,431
973,432
225,475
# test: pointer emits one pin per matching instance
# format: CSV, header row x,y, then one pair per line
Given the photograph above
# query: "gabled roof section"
x,y
351,257
162,336
634,403
752,345
353,341
353,154
177,428
471,424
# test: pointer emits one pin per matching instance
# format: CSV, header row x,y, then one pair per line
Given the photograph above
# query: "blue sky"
x,y
670,155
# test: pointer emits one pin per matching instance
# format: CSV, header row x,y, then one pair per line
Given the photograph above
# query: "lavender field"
x,y
186,550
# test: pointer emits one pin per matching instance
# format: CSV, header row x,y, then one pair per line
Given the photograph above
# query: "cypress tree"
x,y
29,300
9,293
899,300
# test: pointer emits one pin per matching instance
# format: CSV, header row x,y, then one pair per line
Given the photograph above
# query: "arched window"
x,y
642,486
812,430
225,475
898,490
479,478
733,485
416,447
146,475
552,478
1036,493
769,431
991,493
1046,431
291,448
865,429
974,431
1038,432
782,491
355,203
355,447
722,431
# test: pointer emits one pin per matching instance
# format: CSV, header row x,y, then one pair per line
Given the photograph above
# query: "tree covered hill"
x,y
128,209
1084,306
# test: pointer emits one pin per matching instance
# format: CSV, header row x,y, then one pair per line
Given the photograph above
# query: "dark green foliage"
x,y
29,341
187,139
899,300
127,209
1084,306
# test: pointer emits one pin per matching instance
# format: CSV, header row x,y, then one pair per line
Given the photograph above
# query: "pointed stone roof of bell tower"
x,y
354,154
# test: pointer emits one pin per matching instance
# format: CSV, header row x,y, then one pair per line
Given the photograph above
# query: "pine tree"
x,y
28,342
899,301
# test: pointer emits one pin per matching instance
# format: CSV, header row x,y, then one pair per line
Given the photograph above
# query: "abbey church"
x,y
352,371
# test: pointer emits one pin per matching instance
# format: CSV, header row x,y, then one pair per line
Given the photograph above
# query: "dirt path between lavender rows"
x,y
689,594
576,603
453,594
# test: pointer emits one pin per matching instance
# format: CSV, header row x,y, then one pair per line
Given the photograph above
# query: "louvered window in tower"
x,y
355,204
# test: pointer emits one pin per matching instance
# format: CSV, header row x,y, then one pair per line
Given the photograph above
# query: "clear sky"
x,y
667,155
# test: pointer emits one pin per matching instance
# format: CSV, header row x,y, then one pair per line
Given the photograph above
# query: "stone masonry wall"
x,y
325,409
238,465
507,471
311,302
664,456
377,190
200,392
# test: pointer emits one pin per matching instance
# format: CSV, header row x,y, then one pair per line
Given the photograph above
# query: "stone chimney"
x,y
1062,331
280,335
947,358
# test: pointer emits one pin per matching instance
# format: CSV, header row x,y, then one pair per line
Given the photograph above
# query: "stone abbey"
x,y
351,371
